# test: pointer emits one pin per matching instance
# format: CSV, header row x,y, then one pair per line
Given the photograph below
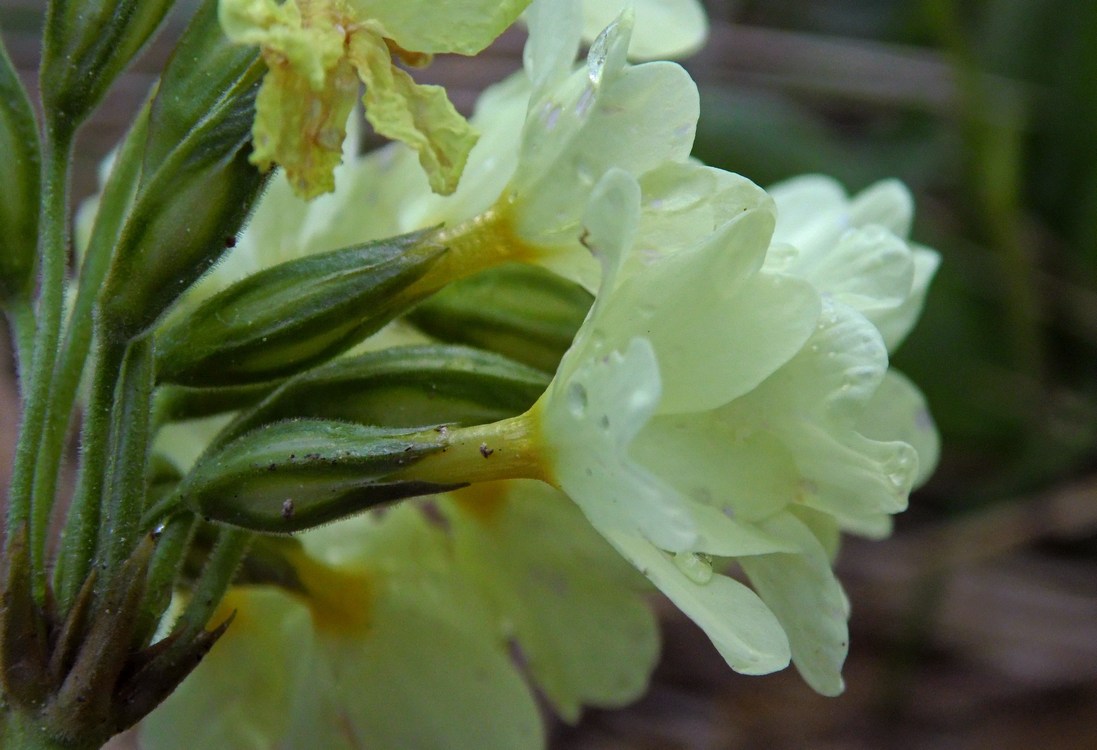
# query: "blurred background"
x,y
975,626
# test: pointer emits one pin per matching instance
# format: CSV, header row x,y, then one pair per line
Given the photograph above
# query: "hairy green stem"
x,y
20,314
227,554
113,205
52,257
125,482
81,532
19,731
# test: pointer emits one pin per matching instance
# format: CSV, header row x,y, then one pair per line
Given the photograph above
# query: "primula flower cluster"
x,y
795,441
724,413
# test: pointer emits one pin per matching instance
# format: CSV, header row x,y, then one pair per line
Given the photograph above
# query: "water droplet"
x,y
899,472
697,568
577,399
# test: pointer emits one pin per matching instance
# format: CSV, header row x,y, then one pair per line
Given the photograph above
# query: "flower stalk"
x,y
53,254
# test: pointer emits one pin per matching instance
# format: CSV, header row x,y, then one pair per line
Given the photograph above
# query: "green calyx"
x,y
295,315
518,310
177,227
73,681
87,44
403,387
295,475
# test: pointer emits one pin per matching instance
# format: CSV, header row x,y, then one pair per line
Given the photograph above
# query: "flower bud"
x,y
521,311
408,387
19,171
86,44
294,475
202,71
176,229
294,315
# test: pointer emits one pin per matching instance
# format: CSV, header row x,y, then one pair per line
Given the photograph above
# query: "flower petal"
x,y
254,658
607,115
307,94
801,203
381,685
898,411
555,30
685,202
708,310
590,418
813,404
421,116
740,625
896,323
869,269
566,597
664,28
461,26
887,203
744,474
807,599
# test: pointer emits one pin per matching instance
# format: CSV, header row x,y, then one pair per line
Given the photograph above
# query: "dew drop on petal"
x,y
696,568
900,472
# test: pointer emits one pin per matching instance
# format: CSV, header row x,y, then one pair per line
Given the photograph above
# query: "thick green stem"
x,y
125,482
81,532
52,256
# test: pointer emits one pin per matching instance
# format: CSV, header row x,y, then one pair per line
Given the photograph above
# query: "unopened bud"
x,y
294,475
413,386
294,315
176,229
86,44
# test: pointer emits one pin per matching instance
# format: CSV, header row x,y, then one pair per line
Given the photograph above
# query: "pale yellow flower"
x,y
319,51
